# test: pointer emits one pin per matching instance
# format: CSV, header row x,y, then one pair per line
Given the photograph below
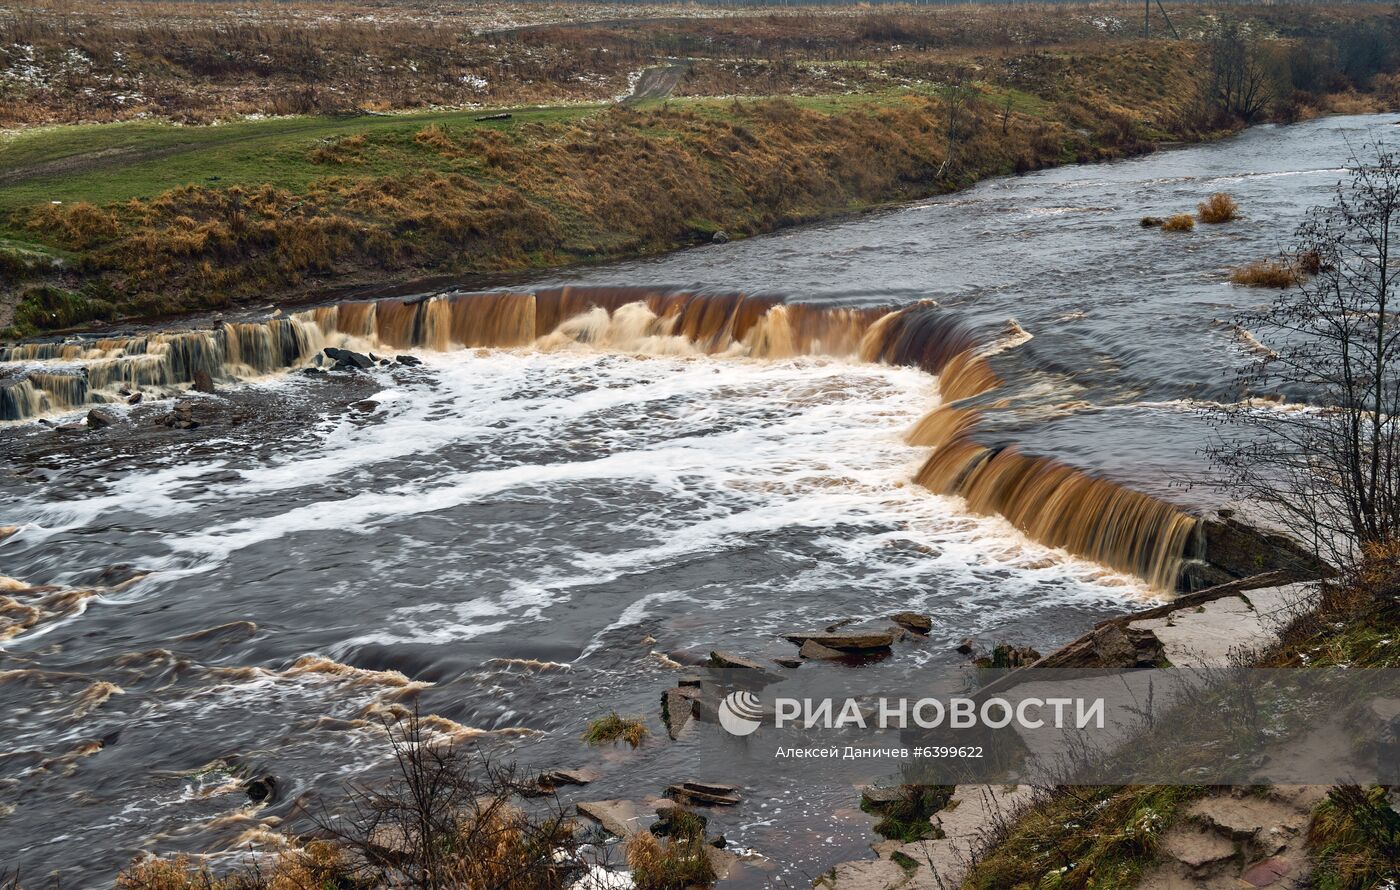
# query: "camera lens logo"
x,y
740,713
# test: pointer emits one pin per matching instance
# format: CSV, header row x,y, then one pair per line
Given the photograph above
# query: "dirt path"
x,y
657,83
84,162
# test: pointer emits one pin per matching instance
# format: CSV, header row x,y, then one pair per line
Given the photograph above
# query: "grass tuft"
x,y
1266,273
1355,837
1218,208
678,863
614,728
1182,222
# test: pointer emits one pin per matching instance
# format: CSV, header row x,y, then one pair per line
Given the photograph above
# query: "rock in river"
x,y
709,793
850,641
721,659
915,621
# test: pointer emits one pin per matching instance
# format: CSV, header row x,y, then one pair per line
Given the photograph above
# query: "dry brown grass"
x,y
85,61
1266,273
454,199
320,864
1218,208
678,863
1182,222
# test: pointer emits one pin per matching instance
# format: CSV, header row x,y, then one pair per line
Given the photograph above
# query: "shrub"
x,y
1182,222
447,821
1218,208
609,729
1266,273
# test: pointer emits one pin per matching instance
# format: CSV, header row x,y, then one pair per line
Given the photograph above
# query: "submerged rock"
x,y
261,789
671,816
179,417
550,781
1004,655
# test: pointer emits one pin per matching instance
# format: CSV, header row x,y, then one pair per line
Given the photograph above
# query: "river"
x,y
522,539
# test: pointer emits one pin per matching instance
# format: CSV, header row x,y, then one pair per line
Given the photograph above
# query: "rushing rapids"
x,y
1049,501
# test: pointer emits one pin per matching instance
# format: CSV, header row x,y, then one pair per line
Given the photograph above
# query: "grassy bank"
x,y
155,216
141,217
164,222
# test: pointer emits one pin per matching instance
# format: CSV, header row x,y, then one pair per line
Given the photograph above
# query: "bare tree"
x,y
1330,472
960,118
1239,79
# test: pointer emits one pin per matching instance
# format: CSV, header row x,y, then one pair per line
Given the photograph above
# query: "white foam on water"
x,y
719,450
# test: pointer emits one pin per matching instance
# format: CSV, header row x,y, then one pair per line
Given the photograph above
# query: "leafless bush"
x,y
448,820
1330,475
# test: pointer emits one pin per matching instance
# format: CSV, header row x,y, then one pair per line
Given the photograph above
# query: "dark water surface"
x,y
521,540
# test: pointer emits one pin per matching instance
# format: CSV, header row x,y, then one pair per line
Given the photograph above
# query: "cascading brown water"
x,y
1049,501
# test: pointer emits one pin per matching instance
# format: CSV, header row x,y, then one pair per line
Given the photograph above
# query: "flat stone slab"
x,y
871,874
721,659
709,793
1211,634
1267,873
619,817
813,649
1197,848
847,641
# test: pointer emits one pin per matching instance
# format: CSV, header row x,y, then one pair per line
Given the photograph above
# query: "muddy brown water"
x,y
523,539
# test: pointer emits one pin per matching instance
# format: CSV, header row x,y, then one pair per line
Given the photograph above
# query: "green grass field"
x,y
107,163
